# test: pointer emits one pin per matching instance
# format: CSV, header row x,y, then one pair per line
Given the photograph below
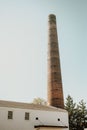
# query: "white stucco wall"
x,y
19,123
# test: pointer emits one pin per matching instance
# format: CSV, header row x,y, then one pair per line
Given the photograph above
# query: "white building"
x,y
24,116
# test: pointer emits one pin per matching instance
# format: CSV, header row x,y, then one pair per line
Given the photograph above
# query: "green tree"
x,y
70,107
77,114
82,111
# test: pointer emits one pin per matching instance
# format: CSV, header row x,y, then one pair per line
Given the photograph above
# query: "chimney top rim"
x,y
52,15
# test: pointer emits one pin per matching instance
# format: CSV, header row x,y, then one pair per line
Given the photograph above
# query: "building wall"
x,y
19,123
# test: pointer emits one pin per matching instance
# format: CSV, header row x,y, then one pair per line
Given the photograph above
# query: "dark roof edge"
x,y
37,126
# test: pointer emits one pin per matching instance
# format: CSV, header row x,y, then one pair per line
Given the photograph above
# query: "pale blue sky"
x,y
23,48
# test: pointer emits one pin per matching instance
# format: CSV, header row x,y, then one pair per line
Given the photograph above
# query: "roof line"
x,y
37,126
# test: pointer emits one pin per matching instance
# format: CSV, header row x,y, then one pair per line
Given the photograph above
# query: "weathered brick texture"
x,y
55,91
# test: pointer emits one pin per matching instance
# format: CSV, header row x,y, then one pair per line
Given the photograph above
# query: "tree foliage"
x,y
39,101
77,114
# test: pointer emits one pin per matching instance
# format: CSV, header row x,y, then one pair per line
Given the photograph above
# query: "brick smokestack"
x,y
55,91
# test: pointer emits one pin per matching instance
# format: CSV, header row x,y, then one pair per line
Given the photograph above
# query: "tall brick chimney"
x,y
55,91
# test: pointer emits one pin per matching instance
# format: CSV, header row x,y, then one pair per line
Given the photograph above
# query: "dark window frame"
x,y
26,115
10,114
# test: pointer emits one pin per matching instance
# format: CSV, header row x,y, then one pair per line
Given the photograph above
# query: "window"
x,y
26,115
36,118
58,119
10,114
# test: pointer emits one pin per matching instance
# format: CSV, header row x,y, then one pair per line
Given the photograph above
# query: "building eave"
x,y
21,105
50,126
